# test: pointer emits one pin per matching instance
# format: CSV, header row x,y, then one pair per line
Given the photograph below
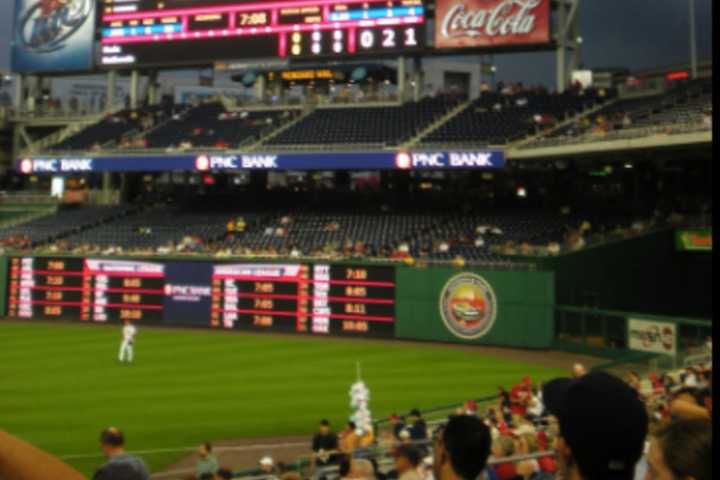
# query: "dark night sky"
x,y
628,33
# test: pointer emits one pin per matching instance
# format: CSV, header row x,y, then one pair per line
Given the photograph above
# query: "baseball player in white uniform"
x,y
126,347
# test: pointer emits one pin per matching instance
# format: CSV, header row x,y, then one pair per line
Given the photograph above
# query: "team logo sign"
x,y
468,306
48,24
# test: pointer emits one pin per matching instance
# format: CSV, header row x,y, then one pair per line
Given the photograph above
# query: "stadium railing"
x,y
629,133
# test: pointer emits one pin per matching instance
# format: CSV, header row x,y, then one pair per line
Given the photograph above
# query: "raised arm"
x,y
21,461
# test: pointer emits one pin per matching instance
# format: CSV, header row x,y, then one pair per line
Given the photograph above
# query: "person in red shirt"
x,y
520,396
503,448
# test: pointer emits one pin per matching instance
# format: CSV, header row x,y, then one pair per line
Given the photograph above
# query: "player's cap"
x,y
266,461
602,420
112,436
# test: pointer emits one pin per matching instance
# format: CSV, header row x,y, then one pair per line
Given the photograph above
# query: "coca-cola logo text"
x,y
477,23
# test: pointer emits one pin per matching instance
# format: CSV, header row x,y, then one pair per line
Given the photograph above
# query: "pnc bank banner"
x,y
53,35
491,23
226,162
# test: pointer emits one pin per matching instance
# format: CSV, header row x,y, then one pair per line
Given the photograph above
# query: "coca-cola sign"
x,y
491,23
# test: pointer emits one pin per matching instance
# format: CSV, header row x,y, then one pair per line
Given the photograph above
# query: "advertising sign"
x,y
651,336
229,162
468,306
53,35
696,240
491,23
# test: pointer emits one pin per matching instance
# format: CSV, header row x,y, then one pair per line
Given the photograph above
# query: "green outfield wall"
x,y
440,304
525,301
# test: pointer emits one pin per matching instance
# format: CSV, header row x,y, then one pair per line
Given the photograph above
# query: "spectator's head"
x,y
415,415
602,426
267,465
578,370
324,427
681,450
461,449
504,446
361,468
351,427
112,441
407,458
205,449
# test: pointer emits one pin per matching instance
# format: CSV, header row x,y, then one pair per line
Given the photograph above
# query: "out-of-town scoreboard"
x,y
313,298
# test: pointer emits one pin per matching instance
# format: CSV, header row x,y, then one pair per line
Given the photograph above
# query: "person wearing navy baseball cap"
x,y
603,426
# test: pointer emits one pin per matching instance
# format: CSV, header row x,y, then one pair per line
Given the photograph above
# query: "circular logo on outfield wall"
x,y
468,306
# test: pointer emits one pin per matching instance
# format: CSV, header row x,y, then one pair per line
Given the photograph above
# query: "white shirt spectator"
x,y
479,242
536,406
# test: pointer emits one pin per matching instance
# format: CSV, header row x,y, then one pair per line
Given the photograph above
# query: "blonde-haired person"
x,y
526,444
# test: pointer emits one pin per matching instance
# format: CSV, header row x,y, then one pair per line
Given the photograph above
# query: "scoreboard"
x,y
320,299
311,298
168,32
91,290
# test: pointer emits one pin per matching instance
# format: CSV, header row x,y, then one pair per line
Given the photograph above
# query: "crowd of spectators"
x,y
589,426
389,237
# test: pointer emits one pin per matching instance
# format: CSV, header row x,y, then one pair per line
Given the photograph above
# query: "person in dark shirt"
x,y
418,427
398,425
325,445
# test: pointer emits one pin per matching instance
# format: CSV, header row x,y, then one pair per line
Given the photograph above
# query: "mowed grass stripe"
x,y
60,384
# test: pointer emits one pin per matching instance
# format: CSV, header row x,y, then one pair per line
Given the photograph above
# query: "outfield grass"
x,y
61,384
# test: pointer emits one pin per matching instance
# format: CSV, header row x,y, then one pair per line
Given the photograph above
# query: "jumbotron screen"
x,y
168,32
312,298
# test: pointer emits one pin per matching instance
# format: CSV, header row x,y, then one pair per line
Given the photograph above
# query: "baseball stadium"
x,y
356,239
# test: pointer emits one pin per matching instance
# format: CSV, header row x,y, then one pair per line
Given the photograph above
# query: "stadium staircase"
x,y
73,128
559,126
261,142
437,124
12,215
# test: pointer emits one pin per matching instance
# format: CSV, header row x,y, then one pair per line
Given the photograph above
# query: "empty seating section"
x,y
61,223
153,228
112,128
685,104
365,125
210,125
497,119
